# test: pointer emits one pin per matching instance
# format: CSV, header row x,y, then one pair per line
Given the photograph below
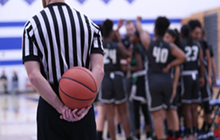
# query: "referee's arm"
x,y
96,58
31,61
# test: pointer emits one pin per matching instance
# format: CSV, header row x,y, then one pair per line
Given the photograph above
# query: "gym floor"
x,y
18,116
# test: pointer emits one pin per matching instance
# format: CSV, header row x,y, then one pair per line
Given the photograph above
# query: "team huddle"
x,y
165,77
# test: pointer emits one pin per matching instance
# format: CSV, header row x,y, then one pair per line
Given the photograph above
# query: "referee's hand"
x,y
74,115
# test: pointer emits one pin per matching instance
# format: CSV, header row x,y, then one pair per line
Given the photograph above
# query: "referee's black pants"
x,y
51,127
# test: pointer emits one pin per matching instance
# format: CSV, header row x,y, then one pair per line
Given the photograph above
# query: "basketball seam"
x,y
90,76
79,83
76,98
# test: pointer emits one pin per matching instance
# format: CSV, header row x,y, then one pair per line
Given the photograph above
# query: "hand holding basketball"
x,y
75,114
78,88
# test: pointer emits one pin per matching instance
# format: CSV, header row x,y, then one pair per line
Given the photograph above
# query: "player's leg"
x,y
118,122
173,119
110,115
120,100
123,113
106,96
137,117
147,119
173,123
155,97
100,120
158,120
186,85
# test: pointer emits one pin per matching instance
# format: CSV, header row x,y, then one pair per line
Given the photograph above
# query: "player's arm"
x,y
180,57
202,68
125,53
120,24
144,36
139,65
209,79
97,67
42,86
175,80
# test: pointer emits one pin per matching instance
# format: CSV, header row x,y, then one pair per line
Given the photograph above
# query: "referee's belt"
x,y
193,73
112,74
139,73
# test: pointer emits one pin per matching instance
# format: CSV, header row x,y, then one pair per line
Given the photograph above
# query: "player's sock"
x,y
177,134
208,127
108,135
100,135
130,138
194,130
204,126
170,133
138,135
119,128
189,131
149,134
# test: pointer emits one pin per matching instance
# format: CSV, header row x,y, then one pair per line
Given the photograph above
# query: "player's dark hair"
x,y
194,24
107,27
161,25
185,31
174,33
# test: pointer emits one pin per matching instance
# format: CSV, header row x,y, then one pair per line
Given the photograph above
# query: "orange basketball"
x,y
78,88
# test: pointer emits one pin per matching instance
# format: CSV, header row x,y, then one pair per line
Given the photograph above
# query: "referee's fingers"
x,y
74,111
70,115
81,111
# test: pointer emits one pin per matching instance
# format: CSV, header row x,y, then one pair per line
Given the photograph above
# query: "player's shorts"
x,y
159,90
113,89
177,100
205,90
190,87
97,101
138,92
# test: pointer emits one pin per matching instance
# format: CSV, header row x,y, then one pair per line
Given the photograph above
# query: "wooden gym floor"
x,y
18,116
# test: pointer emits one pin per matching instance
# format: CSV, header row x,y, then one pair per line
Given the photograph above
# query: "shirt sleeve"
x,y
97,45
29,49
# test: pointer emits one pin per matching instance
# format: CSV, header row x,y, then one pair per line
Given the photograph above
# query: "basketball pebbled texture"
x,y
77,88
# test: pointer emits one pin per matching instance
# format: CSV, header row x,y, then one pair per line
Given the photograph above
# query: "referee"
x,y
54,40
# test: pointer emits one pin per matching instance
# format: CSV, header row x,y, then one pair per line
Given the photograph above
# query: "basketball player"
x,y
54,40
196,32
130,29
138,92
191,80
160,61
172,36
112,92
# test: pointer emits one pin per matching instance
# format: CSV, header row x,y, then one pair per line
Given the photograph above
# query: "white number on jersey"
x,y
191,53
110,56
160,54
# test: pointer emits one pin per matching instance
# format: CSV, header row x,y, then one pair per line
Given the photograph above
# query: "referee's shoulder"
x,y
93,26
31,24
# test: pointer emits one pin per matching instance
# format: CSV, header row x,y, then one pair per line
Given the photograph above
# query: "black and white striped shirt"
x,y
59,38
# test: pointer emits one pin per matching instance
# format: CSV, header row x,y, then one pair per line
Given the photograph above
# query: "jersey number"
x,y
191,53
160,54
110,56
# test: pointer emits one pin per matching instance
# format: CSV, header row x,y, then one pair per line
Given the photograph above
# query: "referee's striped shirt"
x,y
59,38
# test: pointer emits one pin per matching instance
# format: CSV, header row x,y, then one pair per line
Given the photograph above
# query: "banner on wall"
x,y
29,1
2,2
81,1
